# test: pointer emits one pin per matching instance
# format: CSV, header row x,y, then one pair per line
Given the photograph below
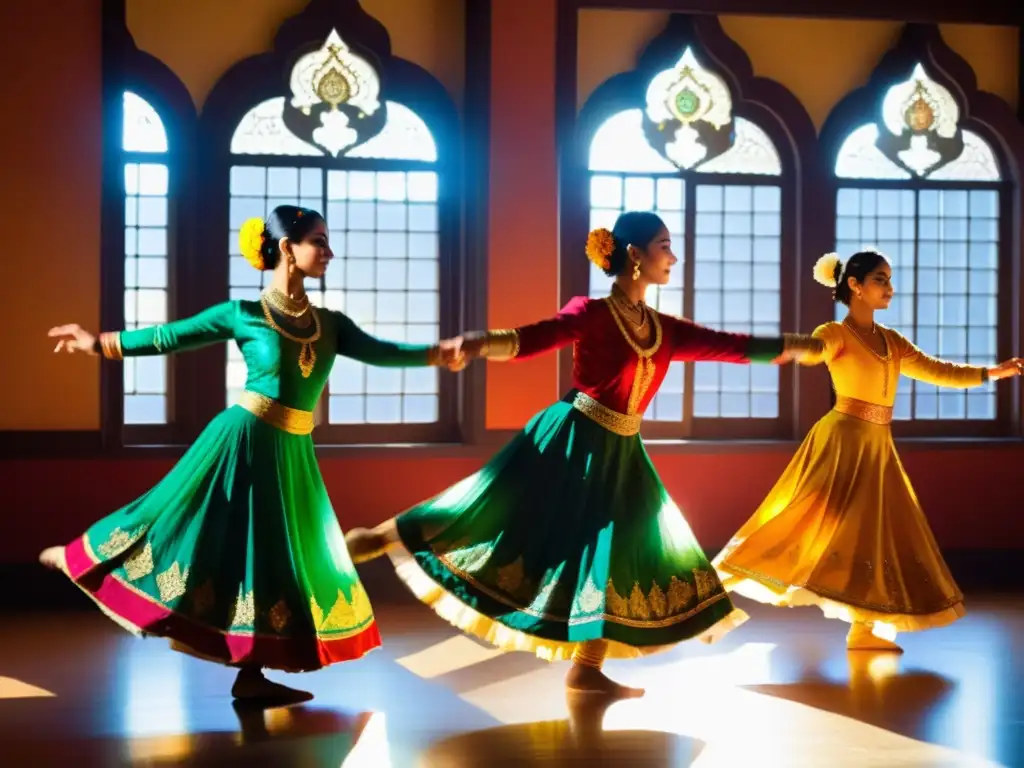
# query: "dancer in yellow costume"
x,y
842,528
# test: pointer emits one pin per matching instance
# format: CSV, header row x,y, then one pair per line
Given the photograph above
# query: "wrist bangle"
x,y
110,345
501,345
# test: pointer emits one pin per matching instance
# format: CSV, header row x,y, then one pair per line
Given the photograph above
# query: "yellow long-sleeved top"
x,y
861,373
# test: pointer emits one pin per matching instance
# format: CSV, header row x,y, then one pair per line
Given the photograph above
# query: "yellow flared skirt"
x,y
843,529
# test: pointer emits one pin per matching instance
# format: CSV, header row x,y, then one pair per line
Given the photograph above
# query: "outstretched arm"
x,y
356,343
692,342
529,340
208,327
918,365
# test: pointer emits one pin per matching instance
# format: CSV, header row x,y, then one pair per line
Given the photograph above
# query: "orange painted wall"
x,y
50,193
50,187
523,237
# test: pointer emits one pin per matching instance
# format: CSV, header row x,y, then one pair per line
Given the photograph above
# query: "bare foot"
x,y
53,558
861,638
365,544
582,679
251,687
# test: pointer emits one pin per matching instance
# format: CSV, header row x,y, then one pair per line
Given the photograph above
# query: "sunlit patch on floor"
x,y
12,688
447,656
372,749
700,699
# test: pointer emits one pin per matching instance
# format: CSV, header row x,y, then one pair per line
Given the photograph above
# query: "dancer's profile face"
x,y
657,259
313,253
876,290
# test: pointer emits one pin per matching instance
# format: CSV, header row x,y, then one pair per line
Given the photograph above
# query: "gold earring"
x,y
291,265
636,270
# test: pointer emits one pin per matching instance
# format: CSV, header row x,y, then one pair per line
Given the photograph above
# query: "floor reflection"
x,y
876,692
579,740
782,692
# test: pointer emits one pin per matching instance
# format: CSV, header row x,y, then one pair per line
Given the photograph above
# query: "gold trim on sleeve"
x,y
110,345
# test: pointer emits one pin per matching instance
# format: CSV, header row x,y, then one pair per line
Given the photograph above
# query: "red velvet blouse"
x,y
608,364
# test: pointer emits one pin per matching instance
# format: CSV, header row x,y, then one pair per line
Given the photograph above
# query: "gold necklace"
x,y
645,368
285,304
623,303
307,354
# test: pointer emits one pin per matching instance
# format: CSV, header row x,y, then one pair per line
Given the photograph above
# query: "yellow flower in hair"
x,y
250,242
600,247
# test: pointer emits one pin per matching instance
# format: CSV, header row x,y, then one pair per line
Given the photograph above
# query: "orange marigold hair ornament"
x,y
250,242
600,247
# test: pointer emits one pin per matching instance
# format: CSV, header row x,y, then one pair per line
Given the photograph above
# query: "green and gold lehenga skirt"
x,y
566,535
236,555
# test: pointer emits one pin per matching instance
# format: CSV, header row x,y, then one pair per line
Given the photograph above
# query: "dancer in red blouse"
x,y
566,543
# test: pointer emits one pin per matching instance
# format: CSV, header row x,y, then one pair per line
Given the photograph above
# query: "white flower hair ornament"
x,y
825,269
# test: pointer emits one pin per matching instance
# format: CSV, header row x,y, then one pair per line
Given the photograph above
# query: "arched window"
x,y
357,136
146,255
146,232
921,181
676,138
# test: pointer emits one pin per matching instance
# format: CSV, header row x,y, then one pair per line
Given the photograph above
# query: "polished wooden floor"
x,y
781,692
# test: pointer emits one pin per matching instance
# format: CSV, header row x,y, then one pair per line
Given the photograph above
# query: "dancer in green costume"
x,y
566,543
236,555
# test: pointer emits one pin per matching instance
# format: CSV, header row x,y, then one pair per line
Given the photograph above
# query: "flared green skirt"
x,y
566,535
236,555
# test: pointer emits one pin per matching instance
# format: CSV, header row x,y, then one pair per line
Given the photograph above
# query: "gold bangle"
x,y
800,342
501,344
110,345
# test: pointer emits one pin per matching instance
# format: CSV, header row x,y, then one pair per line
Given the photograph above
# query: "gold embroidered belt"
x,y
876,414
290,420
613,421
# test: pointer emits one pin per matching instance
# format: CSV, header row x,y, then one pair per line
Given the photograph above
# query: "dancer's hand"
x,y
73,338
1012,367
451,355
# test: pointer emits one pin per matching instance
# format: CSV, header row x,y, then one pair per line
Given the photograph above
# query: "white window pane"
x,y
383,381
423,186
283,182
347,409
143,130
405,137
420,409
151,212
153,179
421,381
383,409
145,409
